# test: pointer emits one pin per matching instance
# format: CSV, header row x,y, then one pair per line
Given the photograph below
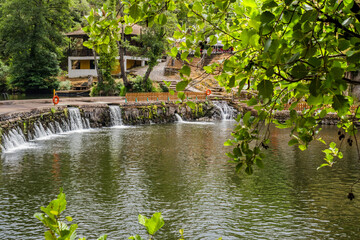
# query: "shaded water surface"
x,y
112,175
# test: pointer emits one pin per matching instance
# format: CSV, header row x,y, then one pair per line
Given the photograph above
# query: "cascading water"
x,y
227,112
15,138
40,132
76,122
178,118
115,115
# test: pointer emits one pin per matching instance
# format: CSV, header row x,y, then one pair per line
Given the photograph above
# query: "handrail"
x,y
163,96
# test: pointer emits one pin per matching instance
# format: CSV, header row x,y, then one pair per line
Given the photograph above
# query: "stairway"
x,y
219,93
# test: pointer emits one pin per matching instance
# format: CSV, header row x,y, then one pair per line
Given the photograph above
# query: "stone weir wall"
x,y
98,115
282,116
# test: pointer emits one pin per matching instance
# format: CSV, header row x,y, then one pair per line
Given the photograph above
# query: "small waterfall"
x,y
115,115
40,132
58,128
15,138
65,126
227,112
178,118
76,122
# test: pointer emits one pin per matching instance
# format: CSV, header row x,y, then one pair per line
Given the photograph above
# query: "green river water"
x,y
111,175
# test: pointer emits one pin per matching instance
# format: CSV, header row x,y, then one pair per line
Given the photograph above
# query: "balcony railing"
x,y
84,52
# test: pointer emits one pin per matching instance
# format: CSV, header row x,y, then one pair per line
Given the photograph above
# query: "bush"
x,y
57,227
122,91
4,83
164,88
65,85
94,91
137,84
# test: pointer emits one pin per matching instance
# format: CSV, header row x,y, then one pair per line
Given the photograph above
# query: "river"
x,y
111,175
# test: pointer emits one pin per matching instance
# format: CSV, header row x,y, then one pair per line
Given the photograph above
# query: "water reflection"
x,y
112,175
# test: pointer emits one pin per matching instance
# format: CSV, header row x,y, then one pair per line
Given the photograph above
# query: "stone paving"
x,y
15,106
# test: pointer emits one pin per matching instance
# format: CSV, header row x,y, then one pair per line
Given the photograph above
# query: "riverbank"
x,y
26,120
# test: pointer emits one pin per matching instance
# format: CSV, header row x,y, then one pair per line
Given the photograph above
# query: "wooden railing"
x,y
303,105
162,96
300,106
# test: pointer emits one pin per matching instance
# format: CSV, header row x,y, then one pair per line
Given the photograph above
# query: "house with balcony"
x,y
81,59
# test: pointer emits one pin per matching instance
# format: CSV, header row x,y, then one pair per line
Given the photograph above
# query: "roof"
x,y
77,33
80,33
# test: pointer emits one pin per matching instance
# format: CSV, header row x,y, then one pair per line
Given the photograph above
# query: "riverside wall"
x,y
98,115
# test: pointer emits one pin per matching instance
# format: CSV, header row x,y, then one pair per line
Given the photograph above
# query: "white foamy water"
x,y
227,112
115,115
180,120
15,139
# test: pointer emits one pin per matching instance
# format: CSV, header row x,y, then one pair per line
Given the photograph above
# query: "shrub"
x,y
65,85
164,88
94,91
4,83
137,84
57,225
122,91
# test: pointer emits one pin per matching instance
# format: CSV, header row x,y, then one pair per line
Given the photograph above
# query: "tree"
x,y
31,32
108,25
103,35
3,78
289,52
153,46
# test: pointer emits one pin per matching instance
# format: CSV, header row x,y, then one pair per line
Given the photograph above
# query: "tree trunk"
x,y
122,65
147,74
100,78
122,49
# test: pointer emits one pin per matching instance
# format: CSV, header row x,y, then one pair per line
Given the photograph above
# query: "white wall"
x,y
75,73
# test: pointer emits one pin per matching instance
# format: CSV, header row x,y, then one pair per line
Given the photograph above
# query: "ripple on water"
x,y
112,175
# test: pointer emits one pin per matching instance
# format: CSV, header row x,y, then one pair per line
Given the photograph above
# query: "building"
x,y
81,59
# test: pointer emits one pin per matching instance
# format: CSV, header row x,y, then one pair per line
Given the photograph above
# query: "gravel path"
x,y
157,74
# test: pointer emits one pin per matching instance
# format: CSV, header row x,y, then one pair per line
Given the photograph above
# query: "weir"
x,y
17,129
227,112
14,139
178,118
115,115
17,137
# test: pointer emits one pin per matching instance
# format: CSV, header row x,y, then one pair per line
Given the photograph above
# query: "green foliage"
x,y
153,224
290,52
102,30
4,71
31,32
138,86
57,227
152,44
94,91
78,9
164,88
65,85
122,90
